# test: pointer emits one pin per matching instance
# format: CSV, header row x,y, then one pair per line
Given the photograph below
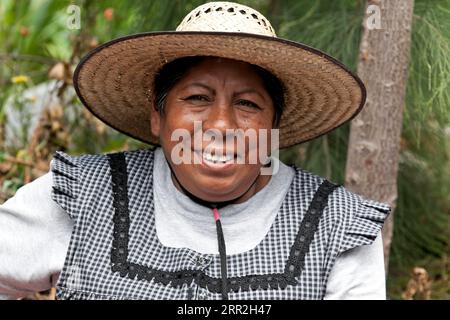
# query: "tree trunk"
x,y
374,145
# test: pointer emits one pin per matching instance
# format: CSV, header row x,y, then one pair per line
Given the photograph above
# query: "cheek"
x,y
177,136
173,122
260,126
262,119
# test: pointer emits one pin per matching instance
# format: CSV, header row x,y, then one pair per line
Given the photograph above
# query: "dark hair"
x,y
174,71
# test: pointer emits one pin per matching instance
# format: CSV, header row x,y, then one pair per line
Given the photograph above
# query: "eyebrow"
x,y
249,90
199,84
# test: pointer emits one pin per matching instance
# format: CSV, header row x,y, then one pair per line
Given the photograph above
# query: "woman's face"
x,y
218,94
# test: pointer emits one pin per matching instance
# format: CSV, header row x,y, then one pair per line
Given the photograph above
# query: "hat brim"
x,y
115,80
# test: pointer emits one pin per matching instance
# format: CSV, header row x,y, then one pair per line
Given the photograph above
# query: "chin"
x,y
217,192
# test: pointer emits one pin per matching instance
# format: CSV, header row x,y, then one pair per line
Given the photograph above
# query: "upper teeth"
x,y
215,158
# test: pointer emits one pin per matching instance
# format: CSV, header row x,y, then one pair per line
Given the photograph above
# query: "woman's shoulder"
x,y
87,159
360,217
311,181
74,175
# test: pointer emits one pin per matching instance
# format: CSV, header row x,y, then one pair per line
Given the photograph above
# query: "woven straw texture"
x,y
115,80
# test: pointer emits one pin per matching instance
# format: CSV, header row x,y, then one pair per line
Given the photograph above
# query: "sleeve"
x,y
34,238
358,274
66,187
363,223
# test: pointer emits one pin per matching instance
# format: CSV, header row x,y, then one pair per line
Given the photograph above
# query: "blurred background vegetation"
x,y
39,112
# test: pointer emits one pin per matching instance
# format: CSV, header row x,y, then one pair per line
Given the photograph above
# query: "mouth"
x,y
215,159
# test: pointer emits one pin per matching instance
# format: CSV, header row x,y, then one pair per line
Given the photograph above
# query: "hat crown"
x,y
226,17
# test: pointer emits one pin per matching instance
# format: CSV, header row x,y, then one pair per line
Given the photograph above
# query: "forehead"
x,y
222,70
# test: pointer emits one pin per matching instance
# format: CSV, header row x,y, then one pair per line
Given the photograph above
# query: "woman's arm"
x,y
34,237
358,274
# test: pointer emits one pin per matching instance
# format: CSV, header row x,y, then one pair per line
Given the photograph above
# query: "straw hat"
x,y
115,80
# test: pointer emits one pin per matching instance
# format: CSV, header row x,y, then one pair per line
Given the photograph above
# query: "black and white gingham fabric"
x,y
85,188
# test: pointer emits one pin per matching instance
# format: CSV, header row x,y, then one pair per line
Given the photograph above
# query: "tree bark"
x,y
374,145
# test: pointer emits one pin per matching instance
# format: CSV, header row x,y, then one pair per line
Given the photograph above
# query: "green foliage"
x,y
428,93
422,218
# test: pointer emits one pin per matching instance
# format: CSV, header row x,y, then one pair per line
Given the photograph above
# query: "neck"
x,y
257,185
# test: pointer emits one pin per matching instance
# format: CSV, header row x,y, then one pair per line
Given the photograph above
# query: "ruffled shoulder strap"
x,y
363,222
66,187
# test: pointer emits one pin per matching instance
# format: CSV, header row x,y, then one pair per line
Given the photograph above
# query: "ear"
x,y
155,121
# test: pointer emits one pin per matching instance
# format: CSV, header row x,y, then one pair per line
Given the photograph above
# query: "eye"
x,y
248,103
198,97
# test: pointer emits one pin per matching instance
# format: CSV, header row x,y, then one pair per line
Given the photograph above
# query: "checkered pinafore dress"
x,y
114,251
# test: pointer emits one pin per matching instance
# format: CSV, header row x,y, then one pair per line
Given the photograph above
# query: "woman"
x,y
200,217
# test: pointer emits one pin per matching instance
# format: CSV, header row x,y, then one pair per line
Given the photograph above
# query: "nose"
x,y
221,116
